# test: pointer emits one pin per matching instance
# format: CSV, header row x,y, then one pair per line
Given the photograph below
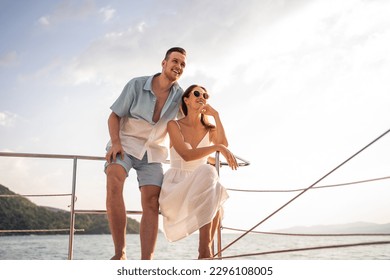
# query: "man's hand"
x,y
114,151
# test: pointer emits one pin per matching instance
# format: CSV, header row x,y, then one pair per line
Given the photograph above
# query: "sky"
x,y
300,86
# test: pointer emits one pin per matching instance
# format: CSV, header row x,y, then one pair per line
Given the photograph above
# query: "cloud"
x,y
113,57
44,21
66,11
107,12
8,119
46,72
311,43
131,50
141,27
9,59
291,47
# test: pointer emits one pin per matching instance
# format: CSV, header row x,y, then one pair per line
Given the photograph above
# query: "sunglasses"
x,y
197,94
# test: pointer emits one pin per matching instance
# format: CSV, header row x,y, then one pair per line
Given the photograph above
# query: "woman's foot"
x,y
120,256
205,253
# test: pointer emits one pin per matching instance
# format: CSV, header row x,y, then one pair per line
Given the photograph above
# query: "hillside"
x,y
19,213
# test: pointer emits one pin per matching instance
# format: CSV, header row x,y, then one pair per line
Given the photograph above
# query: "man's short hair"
x,y
175,49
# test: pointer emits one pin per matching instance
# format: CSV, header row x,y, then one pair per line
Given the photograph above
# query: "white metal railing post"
x,y
72,212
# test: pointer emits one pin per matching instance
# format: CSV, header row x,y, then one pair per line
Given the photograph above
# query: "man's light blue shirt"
x,y
138,132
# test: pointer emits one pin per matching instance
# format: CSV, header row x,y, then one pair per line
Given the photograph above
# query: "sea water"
x,y
100,247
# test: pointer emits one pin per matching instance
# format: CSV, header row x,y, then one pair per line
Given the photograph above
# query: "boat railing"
x,y
74,211
218,164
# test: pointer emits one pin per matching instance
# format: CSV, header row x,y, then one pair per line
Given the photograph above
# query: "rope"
x,y
305,190
318,187
307,249
311,234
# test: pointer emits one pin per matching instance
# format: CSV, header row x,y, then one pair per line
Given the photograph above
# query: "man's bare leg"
x,y
149,220
116,211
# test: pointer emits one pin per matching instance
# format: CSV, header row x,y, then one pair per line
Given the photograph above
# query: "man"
x,y
137,127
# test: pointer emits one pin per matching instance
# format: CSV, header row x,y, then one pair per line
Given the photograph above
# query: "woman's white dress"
x,y
190,194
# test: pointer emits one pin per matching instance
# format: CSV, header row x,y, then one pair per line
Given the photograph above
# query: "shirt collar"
x,y
148,84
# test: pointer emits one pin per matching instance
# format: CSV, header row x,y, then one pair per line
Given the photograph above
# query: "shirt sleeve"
x,y
122,105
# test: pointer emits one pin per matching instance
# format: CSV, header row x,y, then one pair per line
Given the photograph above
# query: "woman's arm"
x,y
189,154
180,146
218,135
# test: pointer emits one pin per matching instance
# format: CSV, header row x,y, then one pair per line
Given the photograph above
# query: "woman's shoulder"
x,y
173,123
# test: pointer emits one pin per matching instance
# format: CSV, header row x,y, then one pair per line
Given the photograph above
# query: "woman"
x,y
191,196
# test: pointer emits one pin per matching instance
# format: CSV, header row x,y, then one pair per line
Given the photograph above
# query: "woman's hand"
x,y
229,156
208,110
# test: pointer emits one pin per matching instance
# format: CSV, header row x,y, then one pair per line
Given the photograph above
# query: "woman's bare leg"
x,y
205,250
214,226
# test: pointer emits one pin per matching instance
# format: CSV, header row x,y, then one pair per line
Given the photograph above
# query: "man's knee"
x,y
149,196
115,179
151,204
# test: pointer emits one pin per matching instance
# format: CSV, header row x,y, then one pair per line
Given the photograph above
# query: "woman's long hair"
x,y
184,109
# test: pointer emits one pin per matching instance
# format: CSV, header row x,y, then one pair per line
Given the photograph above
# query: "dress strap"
x,y
178,125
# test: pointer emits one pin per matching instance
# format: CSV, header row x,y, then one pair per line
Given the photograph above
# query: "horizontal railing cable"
x,y
301,193
318,187
102,212
34,195
36,230
243,162
53,156
386,242
308,234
